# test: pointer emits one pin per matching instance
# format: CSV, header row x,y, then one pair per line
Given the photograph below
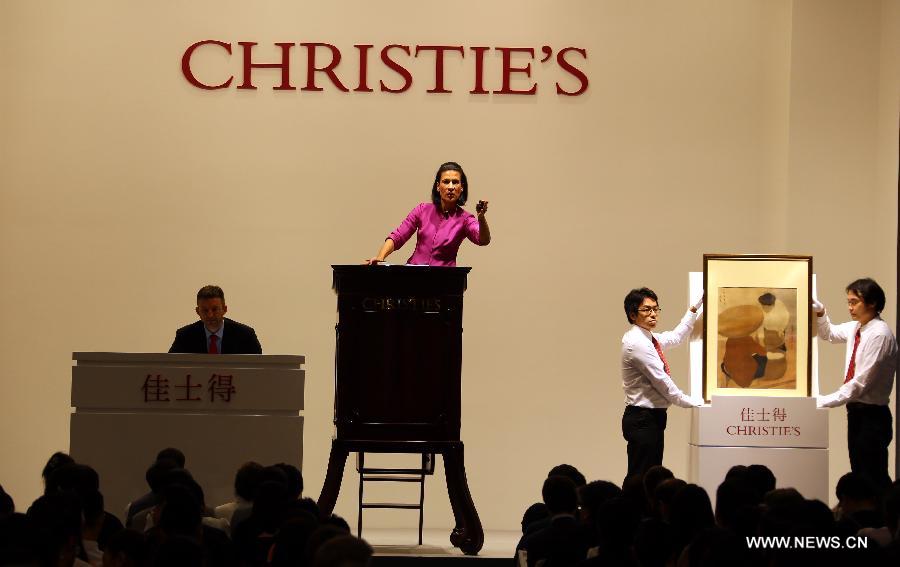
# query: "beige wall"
x,y
741,126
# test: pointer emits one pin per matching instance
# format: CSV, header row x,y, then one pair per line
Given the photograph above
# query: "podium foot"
x,y
468,534
332,485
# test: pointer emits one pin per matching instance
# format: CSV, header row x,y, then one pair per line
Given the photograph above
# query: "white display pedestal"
x,y
220,410
788,435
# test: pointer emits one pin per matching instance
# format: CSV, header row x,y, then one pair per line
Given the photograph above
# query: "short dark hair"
x,y
869,291
55,461
655,475
761,478
595,493
7,506
450,166
560,495
247,479
211,292
156,473
294,479
172,454
570,472
634,299
855,486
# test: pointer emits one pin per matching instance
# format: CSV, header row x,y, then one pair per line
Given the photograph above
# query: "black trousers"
x,y
644,430
870,429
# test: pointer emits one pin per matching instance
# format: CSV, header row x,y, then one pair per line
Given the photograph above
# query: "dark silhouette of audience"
x,y
68,525
657,520
653,519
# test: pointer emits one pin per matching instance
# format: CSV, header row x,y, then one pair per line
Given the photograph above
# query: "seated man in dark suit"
x,y
213,333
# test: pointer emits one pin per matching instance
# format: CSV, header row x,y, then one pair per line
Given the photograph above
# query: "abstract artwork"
x,y
756,327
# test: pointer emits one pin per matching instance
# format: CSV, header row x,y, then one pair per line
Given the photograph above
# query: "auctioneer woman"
x,y
440,225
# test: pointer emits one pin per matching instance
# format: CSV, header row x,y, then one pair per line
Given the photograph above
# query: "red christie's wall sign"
x,y
321,63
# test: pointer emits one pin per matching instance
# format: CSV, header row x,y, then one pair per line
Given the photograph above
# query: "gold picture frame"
x,y
756,328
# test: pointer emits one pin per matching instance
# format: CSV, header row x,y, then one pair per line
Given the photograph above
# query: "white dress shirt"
x,y
876,361
644,378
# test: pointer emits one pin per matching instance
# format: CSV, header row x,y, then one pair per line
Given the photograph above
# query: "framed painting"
x,y
756,331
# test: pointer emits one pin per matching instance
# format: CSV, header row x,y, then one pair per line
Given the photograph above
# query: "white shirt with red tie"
x,y
874,364
644,377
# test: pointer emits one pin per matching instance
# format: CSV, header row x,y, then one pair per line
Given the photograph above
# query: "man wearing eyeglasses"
x,y
647,380
870,363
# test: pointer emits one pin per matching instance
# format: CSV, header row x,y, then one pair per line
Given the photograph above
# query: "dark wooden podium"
x,y
397,376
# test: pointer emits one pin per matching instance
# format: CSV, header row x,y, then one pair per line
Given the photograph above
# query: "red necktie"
x,y
661,355
851,368
213,344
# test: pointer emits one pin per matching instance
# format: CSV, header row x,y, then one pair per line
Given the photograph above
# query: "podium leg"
x,y
468,534
332,486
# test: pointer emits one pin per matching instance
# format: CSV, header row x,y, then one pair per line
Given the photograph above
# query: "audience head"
x,y
179,551
535,513
174,476
270,504
73,478
762,478
309,505
55,523
737,506
737,471
560,495
818,516
633,489
290,541
92,507
663,496
155,475
7,506
856,492
336,521
655,475
569,472
294,480
343,551
616,521
55,461
180,512
782,509
17,541
126,548
247,479
719,547
691,511
171,454
594,494
318,538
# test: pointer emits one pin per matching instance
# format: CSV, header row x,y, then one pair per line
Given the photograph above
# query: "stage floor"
x,y
399,545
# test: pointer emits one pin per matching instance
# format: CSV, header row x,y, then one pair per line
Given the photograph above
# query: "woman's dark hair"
x,y
869,291
55,461
450,166
634,299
